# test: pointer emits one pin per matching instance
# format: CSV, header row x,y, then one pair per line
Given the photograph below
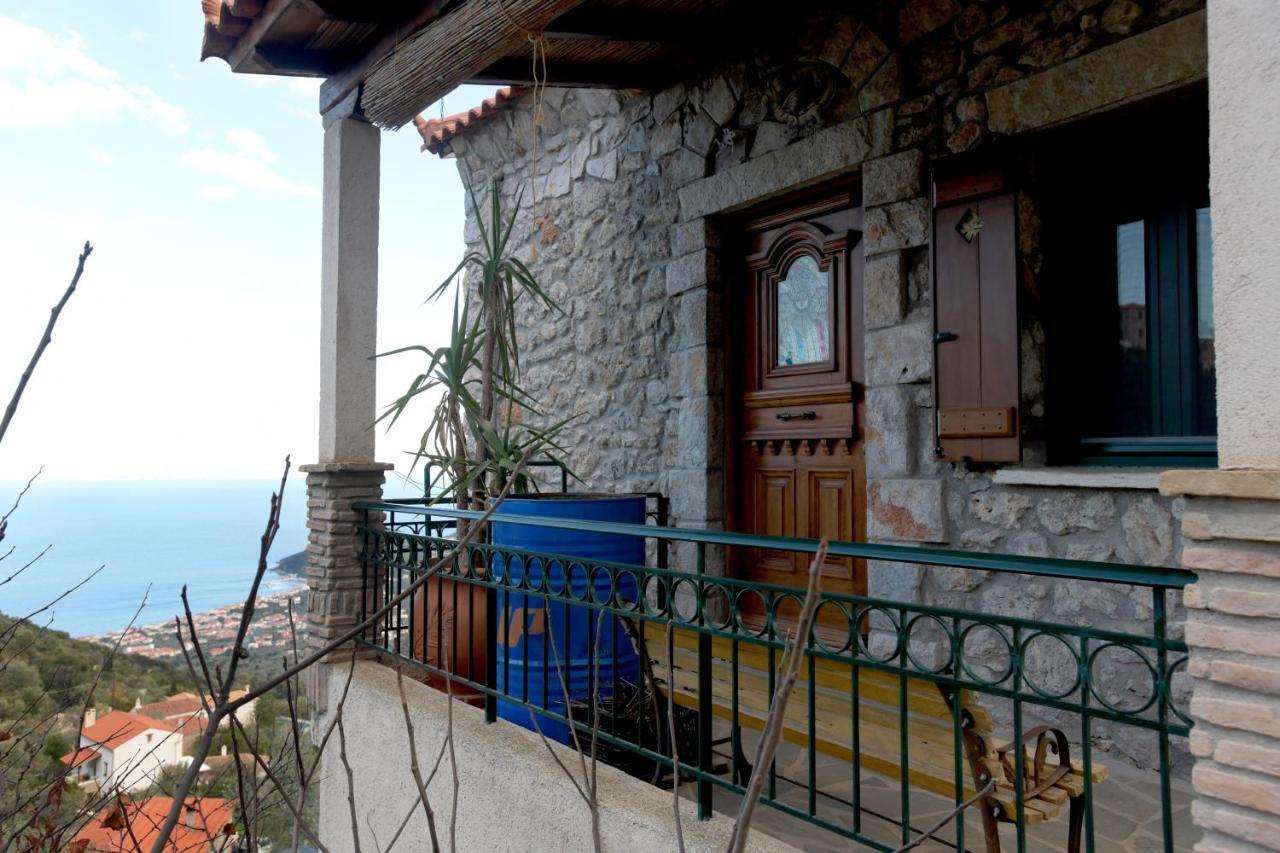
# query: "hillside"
x,y
35,661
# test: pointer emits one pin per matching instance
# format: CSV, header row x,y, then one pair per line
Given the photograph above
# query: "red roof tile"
x,y
435,132
80,756
119,727
224,22
202,821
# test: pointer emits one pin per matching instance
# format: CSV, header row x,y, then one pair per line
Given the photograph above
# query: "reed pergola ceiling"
x,y
409,53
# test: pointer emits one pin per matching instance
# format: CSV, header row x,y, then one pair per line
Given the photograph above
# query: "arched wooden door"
x,y
794,381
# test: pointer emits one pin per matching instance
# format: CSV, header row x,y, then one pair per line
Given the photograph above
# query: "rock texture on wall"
x,y
619,220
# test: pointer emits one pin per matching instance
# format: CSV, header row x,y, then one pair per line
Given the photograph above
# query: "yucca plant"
x,y
476,432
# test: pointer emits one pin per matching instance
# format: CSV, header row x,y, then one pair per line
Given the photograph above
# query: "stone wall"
x,y
619,220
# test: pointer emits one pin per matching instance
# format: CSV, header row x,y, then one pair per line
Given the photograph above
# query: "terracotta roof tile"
x,y
224,22
203,820
80,756
119,727
435,132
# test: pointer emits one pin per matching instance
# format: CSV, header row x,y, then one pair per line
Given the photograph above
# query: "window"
x,y
1129,282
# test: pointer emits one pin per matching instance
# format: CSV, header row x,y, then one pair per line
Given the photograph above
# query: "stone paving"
x,y
1126,811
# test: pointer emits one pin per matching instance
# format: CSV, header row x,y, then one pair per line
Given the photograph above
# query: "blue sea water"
x,y
163,534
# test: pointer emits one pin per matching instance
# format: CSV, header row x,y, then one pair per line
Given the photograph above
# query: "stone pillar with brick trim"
x,y
347,470
1231,516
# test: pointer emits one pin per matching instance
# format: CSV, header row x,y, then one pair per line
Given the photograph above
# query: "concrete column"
x,y
1231,518
347,470
349,291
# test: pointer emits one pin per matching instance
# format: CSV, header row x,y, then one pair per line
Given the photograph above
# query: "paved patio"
x,y
1126,810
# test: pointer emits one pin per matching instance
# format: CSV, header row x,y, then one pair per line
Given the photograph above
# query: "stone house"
x,y
988,277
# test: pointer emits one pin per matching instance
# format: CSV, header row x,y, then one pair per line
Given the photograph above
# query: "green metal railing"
x,y
1050,687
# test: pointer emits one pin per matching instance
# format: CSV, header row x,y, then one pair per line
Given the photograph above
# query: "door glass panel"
x,y
804,325
1133,396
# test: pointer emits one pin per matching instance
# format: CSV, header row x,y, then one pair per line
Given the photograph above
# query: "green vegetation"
x,y
44,671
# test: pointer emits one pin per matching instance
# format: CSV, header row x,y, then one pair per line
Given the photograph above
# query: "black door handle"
x,y
797,416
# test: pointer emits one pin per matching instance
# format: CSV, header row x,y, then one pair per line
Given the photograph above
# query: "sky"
x,y
191,349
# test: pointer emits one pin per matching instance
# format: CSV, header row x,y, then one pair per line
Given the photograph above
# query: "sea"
x,y
151,538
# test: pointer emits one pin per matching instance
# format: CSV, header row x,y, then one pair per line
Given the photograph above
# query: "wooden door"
x,y
794,380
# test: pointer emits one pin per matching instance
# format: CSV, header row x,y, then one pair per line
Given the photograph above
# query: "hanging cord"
x,y
538,73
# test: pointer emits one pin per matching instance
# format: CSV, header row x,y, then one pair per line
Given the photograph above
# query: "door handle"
x,y
797,416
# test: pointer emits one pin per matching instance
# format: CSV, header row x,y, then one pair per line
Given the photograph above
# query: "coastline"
x,y
216,627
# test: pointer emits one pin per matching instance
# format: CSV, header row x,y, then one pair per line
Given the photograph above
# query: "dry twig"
x,y
12,409
776,721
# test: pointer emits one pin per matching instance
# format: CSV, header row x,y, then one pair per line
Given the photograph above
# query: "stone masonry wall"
x,y
621,195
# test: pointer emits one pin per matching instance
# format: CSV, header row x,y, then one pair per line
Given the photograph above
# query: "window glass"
x,y
803,324
1133,384
1206,407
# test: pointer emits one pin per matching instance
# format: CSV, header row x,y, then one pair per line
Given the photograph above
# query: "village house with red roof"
x,y
186,713
206,826
123,751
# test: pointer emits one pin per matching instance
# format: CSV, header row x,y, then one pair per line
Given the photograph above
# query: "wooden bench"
x,y
1052,782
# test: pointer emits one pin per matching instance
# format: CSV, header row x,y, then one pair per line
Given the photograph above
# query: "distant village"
x,y
217,628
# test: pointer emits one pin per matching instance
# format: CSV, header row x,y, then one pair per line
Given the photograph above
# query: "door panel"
x,y
795,388
774,503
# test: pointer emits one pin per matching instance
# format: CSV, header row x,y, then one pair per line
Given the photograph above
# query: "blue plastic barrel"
x,y
526,662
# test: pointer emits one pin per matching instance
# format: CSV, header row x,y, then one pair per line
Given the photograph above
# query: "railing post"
x,y
1159,619
705,697
490,648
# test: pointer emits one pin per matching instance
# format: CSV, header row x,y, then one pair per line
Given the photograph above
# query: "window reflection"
x,y
1133,403
803,318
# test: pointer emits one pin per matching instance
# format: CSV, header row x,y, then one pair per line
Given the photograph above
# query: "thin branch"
x,y
776,721
47,339
351,785
222,706
413,764
950,816
4,519
671,730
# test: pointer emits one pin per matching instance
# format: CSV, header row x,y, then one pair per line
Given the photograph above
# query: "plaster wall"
x,y
511,796
1244,169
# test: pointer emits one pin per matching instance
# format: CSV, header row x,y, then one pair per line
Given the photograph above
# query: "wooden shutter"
x,y
976,318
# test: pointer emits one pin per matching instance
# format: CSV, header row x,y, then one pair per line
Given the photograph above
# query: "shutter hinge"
x,y
943,337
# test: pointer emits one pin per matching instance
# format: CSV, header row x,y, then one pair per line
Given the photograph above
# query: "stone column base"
x,y
1231,529
334,574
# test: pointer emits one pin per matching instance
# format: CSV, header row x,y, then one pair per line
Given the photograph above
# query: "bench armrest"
x,y
1039,773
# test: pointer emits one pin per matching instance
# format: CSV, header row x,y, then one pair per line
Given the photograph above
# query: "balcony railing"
x,y
907,701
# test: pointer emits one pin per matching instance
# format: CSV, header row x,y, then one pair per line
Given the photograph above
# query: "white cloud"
x,y
47,79
217,192
250,144
245,171
139,36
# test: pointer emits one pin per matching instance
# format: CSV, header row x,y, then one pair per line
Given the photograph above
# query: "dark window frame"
x,y
1149,167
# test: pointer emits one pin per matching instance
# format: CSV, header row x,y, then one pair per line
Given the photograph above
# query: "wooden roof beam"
x,y
621,25
579,75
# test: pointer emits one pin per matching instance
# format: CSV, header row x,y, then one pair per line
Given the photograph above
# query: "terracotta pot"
x,y
449,622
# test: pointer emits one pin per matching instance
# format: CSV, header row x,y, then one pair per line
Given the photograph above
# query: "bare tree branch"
x,y
413,764
671,729
4,521
776,721
12,409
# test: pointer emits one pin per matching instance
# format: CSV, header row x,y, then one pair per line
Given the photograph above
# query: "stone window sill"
x,y
1146,479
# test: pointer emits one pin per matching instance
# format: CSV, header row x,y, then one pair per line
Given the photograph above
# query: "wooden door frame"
x,y
845,190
